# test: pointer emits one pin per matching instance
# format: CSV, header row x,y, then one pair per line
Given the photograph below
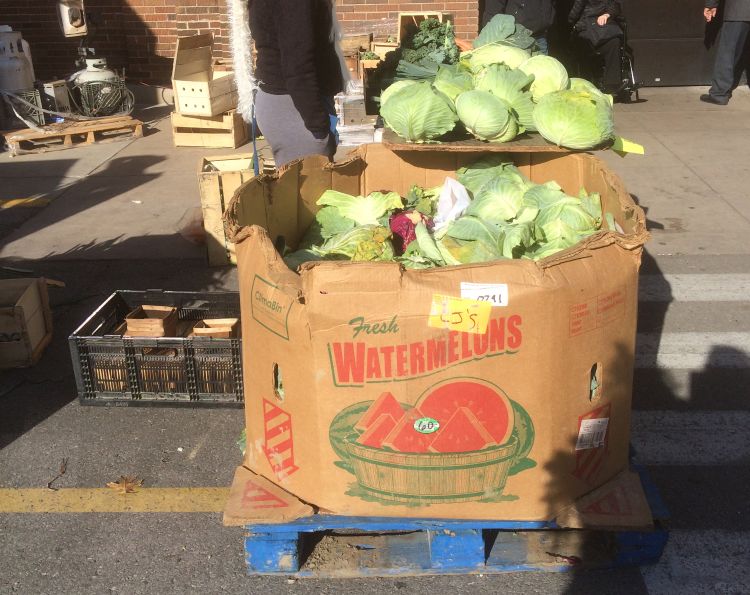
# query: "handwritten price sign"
x,y
458,314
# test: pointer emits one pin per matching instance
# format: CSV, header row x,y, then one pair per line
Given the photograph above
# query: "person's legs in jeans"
x,y
542,44
732,42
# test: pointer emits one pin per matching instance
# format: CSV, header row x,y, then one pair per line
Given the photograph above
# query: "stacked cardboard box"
x,y
205,98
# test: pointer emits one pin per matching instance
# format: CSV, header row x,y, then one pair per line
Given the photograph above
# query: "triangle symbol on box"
x,y
614,503
255,496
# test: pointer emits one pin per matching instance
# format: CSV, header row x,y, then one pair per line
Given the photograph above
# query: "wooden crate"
x,y
382,48
218,179
353,44
227,131
364,65
199,88
408,22
151,321
25,321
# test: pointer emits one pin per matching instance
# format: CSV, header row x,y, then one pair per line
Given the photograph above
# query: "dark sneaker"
x,y
713,99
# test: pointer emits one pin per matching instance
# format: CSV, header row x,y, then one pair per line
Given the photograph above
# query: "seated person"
x,y
593,21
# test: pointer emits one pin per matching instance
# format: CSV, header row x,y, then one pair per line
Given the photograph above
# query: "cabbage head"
x,y
575,119
418,113
452,80
394,88
486,117
549,75
494,53
510,86
366,242
478,175
501,200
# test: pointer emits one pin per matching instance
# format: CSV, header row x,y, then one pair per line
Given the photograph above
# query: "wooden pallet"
x,y
72,134
325,546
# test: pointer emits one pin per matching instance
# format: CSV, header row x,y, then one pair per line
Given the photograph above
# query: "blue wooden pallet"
x,y
325,546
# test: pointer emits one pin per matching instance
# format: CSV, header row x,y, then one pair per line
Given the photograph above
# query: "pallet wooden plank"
x,y
362,546
463,548
278,553
68,135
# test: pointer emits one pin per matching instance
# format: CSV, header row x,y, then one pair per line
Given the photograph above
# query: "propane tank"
x,y
96,70
16,70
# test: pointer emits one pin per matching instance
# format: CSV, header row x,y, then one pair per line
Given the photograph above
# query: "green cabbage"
x,y
418,113
575,119
494,53
480,173
452,80
503,27
549,75
362,210
500,200
394,88
366,242
510,86
486,117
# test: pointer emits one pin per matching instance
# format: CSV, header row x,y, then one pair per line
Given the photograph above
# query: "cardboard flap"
x,y
254,499
620,503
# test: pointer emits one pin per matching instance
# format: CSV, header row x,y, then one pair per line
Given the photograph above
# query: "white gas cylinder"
x,y
16,69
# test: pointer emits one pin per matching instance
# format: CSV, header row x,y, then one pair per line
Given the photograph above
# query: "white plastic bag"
x,y
453,201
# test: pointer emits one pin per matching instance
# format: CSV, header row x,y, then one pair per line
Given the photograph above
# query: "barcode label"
x,y
592,433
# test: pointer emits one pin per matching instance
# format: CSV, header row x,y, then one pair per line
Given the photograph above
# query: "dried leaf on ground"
x,y
127,484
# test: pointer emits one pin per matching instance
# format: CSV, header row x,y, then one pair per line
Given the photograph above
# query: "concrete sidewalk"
x,y
112,224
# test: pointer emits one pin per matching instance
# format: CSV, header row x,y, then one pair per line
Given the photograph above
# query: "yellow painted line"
x,y
24,202
76,500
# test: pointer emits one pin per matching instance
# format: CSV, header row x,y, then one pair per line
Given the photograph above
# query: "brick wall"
x,y
139,35
382,14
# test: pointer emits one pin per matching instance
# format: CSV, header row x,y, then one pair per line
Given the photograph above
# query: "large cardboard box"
x,y
199,88
25,321
537,384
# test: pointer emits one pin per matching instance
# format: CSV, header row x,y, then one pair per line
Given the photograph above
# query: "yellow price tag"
x,y
623,145
457,314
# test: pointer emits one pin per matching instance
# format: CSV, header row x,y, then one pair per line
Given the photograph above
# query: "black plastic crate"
x,y
114,370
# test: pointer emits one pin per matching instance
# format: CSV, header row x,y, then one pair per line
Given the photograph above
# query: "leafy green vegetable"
x,y
500,200
509,217
393,89
510,86
475,176
366,242
422,200
575,119
487,117
433,43
503,27
494,53
418,113
363,210
452,80
549,75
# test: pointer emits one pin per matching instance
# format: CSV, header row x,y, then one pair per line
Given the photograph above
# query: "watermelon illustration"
x,y
386,404
489,405
374,435
462,433
404,438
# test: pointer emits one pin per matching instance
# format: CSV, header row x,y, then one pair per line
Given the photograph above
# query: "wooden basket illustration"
x,y
428,477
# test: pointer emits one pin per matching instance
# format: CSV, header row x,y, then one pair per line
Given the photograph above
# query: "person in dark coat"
x,y
299,69
594,21
732,44
536,15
